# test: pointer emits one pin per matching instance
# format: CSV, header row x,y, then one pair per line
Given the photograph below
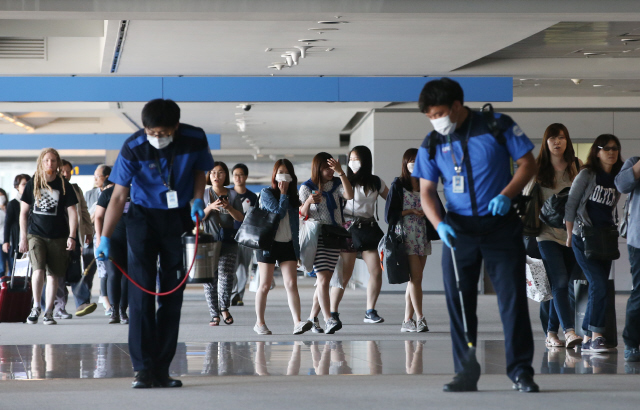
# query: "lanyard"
x,y
166,182
456,167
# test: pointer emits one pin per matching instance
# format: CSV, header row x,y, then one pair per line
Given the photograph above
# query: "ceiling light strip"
x,y
119,48
13,120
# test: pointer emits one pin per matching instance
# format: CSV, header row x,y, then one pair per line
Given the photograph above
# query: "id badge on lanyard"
x,y
172,199
458,184
458,180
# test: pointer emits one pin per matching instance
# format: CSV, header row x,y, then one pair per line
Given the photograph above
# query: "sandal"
x,y
215,321
229,319
553,341
572,340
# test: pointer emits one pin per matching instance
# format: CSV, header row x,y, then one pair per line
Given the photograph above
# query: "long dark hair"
x,y
364,176
546,174
405,178
292,191
319,160
593,162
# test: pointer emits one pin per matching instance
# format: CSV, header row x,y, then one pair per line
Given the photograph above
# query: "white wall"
x,y
389,133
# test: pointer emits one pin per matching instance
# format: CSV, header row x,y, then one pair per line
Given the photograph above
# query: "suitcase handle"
x,y
13,269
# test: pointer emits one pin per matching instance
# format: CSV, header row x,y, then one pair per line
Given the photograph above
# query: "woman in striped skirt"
x,y
320,197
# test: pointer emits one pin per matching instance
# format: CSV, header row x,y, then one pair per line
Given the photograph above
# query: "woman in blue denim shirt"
x,y
281,198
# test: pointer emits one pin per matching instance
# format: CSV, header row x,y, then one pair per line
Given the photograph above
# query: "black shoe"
x,y
525,384
124,319
166,381
143,380
115,316
461,383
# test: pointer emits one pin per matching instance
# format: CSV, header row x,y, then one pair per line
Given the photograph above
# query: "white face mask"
x,y
283,178
443,125
410,166
3,200
159,143
355,166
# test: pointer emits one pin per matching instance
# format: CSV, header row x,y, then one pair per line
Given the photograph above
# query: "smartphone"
x,y
314,192
224,197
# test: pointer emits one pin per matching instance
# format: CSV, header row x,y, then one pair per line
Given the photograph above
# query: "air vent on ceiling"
x,y
23,48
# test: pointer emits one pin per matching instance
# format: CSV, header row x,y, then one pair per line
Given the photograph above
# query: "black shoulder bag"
x,y
552,211
601,243
258,229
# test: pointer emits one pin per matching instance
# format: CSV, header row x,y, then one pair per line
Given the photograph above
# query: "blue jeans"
x,y
631,333
560,264
597,273
4,257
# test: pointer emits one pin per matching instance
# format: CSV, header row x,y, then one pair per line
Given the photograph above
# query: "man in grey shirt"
x,y
628,182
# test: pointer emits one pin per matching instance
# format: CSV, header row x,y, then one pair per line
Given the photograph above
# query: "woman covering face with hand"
x,y
281,198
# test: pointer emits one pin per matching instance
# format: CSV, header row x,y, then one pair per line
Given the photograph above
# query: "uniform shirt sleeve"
x,y
425,167
518,144
125,168
626,182
204,160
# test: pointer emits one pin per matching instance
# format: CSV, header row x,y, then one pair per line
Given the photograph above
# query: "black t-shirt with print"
x,y
248,199
600,203
48,215
120,231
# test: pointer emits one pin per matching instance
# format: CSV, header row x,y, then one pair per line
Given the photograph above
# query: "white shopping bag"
x,y
21,266
309,231
538,287
336,278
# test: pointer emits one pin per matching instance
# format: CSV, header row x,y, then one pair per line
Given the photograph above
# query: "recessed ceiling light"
x,y
330,49
267,49
601,85
311,40
330,22
324,29
593,54
628,40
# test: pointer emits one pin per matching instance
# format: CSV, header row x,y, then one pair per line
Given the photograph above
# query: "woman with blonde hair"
x,y
48,204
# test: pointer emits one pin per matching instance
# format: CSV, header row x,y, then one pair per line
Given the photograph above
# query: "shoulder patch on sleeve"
x,y
517,131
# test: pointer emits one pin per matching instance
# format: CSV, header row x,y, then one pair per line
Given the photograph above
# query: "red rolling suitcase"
x,y
15,296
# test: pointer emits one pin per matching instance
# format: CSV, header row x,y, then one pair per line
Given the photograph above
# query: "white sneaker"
x,y
34,315
302,327
409,326
62,314
262,330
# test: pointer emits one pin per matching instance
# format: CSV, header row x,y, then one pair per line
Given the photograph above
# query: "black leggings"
x,y
117,283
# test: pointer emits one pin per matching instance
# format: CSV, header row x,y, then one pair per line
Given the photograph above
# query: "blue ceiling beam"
x,y
241,89
76,141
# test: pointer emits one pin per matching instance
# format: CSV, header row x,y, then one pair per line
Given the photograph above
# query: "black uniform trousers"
x,y
497,240
153,336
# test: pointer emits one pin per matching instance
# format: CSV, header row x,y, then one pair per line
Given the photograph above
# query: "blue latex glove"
x,y
447,234
499,205
102,251
197,208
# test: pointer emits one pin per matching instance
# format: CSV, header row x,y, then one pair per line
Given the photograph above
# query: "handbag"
x,y
365,234
393,257
538,287
552,211
334,237
258,229
601,243
531,213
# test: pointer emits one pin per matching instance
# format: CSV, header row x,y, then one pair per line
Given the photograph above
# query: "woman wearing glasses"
x,y
592,202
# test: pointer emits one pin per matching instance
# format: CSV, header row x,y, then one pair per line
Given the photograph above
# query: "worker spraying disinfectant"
x,y
162,168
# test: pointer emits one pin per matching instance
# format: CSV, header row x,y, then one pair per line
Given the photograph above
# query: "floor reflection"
x,y
111,360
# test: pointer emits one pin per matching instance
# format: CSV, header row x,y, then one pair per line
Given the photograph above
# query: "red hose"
x,y
186,276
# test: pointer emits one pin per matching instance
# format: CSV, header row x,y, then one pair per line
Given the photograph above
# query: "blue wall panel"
x,y
26,89
246,89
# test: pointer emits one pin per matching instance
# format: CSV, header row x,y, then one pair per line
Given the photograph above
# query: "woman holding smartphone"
x,y
223,207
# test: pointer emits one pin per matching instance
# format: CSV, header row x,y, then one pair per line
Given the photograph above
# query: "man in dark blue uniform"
x,y
162,168
471,153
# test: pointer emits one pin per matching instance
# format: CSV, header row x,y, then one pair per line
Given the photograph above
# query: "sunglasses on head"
x,y
607,149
